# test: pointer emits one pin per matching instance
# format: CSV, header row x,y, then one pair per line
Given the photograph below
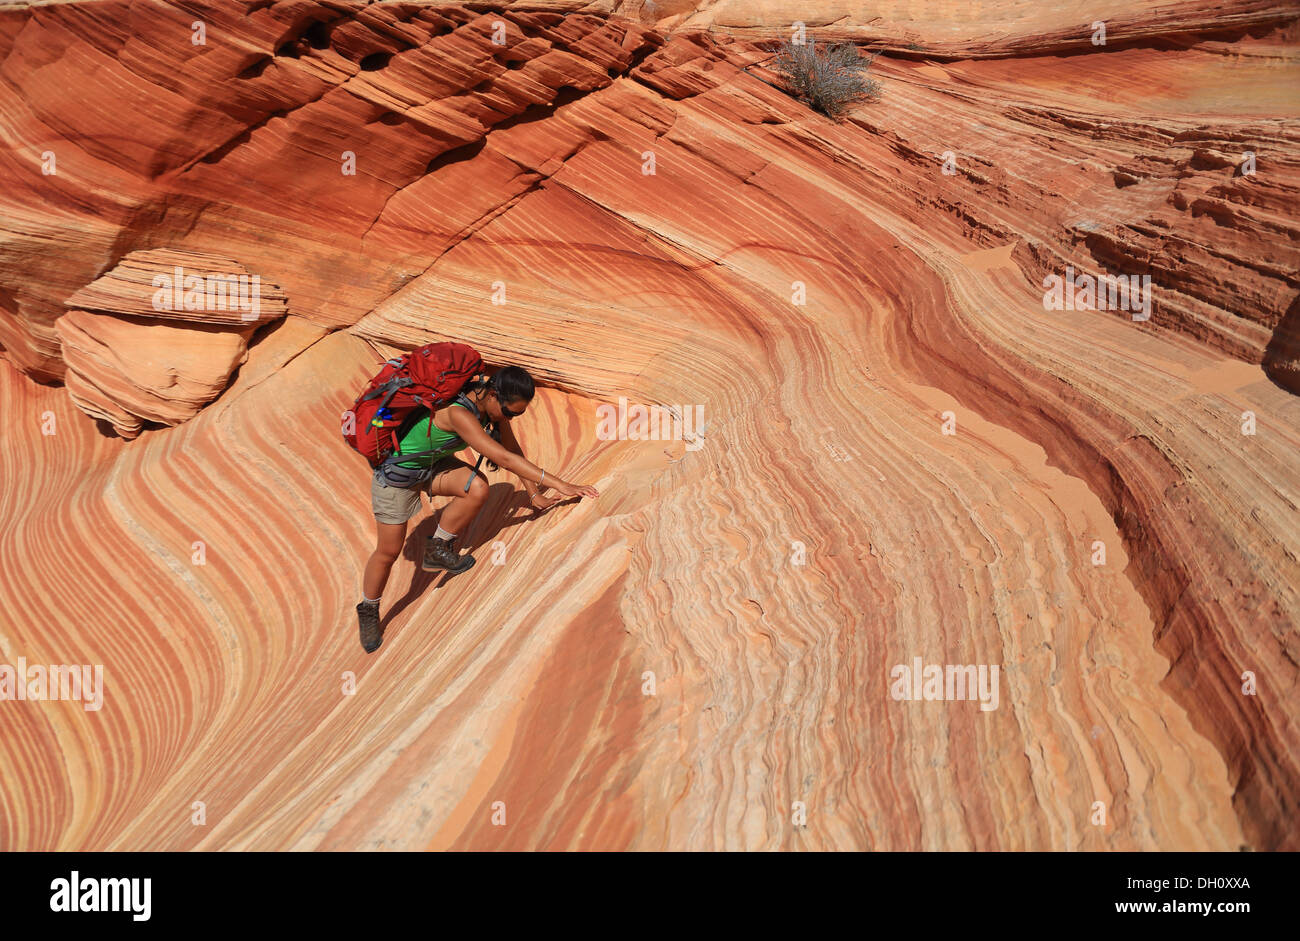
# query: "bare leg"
x,y
462,509
392,536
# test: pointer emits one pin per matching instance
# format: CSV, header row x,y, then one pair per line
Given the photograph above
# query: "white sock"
x,y
443,534
370,600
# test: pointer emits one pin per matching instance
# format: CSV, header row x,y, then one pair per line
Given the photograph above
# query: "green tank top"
x,y
426,436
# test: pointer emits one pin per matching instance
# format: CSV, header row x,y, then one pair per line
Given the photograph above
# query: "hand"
x,y
566,489
540,502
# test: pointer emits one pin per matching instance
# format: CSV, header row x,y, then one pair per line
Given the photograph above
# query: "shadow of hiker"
x,y
500,511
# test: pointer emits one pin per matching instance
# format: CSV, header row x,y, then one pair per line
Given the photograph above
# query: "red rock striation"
x,y
906,452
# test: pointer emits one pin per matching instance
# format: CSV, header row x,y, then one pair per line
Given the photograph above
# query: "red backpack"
x,y
429,377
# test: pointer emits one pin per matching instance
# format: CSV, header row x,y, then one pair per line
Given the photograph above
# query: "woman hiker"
x,y
482,404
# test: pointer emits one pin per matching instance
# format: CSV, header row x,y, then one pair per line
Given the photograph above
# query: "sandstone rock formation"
x,y
906,454
959,28
157,337
190,287
129,373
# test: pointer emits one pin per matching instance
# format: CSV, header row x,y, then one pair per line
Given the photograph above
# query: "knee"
x,y
478,490
386,555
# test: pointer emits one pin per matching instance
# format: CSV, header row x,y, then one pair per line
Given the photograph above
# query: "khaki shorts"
x,y
394,505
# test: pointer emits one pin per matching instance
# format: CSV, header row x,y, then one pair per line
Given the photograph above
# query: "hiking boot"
x,y
368,615
439,555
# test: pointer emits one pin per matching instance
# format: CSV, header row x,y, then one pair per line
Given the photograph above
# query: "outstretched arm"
x,y
535,497
472,433
511,443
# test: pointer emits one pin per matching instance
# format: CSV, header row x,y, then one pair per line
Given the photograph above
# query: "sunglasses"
x,y
506,412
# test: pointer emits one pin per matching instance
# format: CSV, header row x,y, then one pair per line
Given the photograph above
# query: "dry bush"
x,y
829,78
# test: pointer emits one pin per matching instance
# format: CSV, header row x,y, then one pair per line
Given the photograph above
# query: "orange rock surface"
x,y
904,452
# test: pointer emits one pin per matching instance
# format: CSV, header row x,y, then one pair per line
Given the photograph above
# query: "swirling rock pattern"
x,y
904,454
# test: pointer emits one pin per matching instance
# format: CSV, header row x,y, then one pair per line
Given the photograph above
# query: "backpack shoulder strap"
x,y
488,425
463,399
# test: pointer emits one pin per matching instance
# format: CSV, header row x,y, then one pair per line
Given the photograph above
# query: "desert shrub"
x,y
828,78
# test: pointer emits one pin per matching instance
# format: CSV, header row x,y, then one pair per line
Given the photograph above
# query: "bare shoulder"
x,y
458,419
445,418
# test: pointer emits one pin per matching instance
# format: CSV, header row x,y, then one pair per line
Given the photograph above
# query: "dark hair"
x,y
512,383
